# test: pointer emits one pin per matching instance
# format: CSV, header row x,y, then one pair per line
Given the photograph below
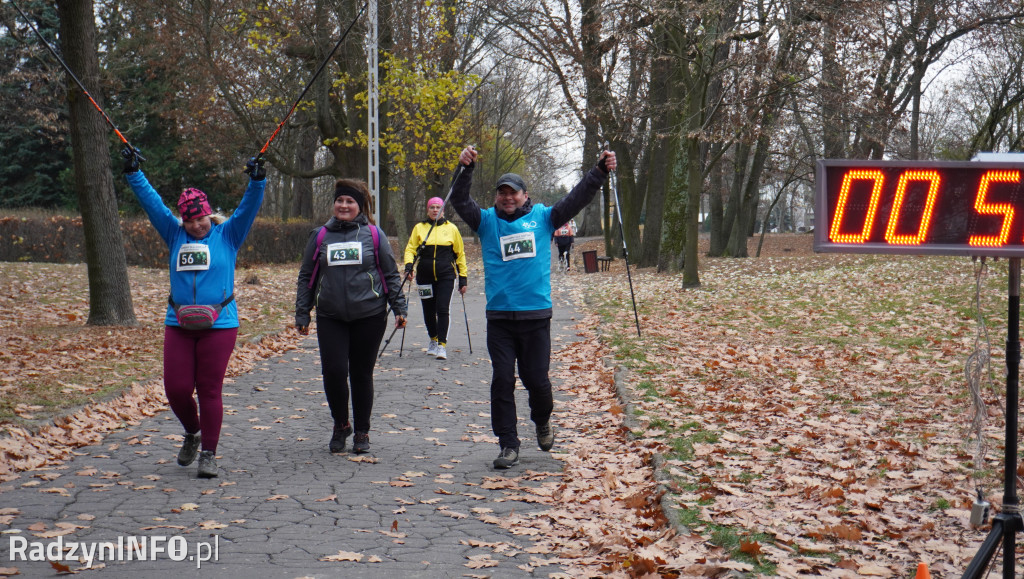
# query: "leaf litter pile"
x,y
794,416
64,384
807,416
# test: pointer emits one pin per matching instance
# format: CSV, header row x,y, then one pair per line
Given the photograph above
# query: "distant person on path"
x,y
201,323
564,237
442,257
349,274
515,243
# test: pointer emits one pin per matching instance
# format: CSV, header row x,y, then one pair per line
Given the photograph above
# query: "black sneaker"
x,y
207,464
189,449
361,443
507,458
338,437
545,437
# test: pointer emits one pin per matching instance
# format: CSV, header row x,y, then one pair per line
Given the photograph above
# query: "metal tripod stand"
x,y
1007,523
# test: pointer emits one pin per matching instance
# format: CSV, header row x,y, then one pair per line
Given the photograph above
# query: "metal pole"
x,y
1011,506
625,252
466,317
372,119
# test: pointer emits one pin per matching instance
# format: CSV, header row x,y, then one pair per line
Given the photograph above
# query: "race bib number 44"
x,y
518,246
193,257
345,253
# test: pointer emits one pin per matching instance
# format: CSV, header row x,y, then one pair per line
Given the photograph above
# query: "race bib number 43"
x,y
345,253
193,257
518,246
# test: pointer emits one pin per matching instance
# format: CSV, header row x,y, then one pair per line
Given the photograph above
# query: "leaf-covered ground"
x,y
810,413
64,384
797,415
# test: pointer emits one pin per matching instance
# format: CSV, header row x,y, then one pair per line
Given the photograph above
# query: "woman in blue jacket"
x,y
198,341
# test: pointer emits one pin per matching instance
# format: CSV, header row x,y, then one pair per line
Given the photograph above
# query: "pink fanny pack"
x,y
198,317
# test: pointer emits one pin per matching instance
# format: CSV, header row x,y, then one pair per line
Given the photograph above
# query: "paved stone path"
x,y
282,501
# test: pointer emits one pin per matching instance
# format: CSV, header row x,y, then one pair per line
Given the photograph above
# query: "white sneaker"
x,y
432,349
442,354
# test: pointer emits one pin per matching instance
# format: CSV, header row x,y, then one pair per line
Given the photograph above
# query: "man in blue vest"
x,y
515,242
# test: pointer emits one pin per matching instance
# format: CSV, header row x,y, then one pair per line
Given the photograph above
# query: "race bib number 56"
x,y
193,257
518,246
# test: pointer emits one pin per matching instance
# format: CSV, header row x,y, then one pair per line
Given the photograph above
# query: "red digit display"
x,y
946,208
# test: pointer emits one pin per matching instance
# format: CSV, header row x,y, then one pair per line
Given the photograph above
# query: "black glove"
x,y
132,158
255,169
408,268
601,165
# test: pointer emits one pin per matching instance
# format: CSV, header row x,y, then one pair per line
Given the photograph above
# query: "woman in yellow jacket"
x,y
442,258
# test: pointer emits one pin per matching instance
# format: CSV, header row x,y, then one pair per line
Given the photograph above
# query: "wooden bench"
x,y
604,261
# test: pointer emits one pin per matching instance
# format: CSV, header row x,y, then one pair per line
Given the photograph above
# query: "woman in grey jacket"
x,y
349,274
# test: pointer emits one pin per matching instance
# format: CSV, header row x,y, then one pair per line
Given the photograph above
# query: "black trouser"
x,y
348,352
564,245
528,344
436,309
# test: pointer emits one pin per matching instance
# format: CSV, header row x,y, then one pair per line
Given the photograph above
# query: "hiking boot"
x,y
189,449
338,437
207,464
361,443
442,354
508,458
432,348
545,436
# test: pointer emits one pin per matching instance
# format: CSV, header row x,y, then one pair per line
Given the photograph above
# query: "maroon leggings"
x,y
194,364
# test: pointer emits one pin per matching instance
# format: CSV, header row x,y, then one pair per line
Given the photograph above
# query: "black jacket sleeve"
x,y
303,293
463,202
391,277
581,195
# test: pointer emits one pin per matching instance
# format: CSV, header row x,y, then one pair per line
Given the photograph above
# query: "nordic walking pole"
x,y
388,341
78,82
401,346
614,182
466,317
392,335
310,83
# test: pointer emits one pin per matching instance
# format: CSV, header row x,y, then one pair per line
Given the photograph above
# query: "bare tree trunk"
x,y
731,224
662,149
830,94
592,223
305,159
694,182
110,298
716,206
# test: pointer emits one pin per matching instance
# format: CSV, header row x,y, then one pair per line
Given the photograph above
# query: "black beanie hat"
x,y
351,192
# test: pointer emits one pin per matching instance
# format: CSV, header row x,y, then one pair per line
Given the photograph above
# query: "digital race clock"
x,y
924,207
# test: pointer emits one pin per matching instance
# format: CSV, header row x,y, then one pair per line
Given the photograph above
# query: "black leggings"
x,y
436,309
564,246
348,352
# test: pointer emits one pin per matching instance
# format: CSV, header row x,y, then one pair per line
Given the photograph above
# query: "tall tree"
x,y
110,298
33,130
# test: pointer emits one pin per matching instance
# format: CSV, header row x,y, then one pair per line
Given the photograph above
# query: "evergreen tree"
x,y
33,131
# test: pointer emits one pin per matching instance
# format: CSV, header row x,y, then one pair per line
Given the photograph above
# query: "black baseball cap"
x,y
512,180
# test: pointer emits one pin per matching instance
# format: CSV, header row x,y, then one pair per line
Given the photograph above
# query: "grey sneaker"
x,y
545,436
361,443
442,354
432,348
189,449
207,464
338,437
508,458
